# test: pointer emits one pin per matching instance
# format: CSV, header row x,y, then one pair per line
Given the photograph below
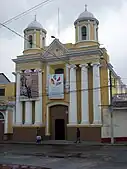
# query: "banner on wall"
x,y
56,86
29,85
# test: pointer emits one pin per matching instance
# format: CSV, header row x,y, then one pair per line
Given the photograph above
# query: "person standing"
x,y
78,136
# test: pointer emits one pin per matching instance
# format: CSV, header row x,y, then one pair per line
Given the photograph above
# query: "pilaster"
x,y
38,103
73,96
84,94
96,94
18,119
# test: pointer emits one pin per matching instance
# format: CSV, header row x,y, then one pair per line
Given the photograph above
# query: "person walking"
x,y
78,136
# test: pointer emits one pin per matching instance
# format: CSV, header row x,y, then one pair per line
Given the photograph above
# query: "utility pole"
x,y
111,105
111,108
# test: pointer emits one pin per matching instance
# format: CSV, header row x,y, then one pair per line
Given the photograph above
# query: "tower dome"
x,y
35,25
86,27
35,37
85,16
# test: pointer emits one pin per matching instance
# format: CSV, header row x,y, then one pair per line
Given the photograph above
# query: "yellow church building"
x,y
62,86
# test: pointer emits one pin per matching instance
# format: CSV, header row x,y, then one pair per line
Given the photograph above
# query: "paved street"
x,y
66,157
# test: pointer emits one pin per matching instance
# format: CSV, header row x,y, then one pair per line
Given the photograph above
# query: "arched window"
x,y
43,42
30,41
84,33
59,71
1,116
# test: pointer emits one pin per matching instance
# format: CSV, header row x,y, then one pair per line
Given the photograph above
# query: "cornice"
x,y
28,59
70,55
85,52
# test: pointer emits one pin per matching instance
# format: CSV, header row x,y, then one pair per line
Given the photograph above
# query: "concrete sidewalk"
x,y
66,143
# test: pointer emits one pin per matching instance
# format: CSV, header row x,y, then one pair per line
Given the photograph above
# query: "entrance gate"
x,y
58,122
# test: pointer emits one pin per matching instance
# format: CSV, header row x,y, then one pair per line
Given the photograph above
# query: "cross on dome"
x,y
35,17
85,7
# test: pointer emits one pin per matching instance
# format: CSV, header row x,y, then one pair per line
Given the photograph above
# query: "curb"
x,y
64,144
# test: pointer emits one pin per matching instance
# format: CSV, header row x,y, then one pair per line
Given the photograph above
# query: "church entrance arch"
x,y
1,126
58,122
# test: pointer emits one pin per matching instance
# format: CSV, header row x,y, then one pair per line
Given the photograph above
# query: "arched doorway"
x,y
58,122
1,126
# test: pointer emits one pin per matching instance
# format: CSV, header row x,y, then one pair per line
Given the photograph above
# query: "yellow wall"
x,y
10,122
38,39
10,92
114,85
28,65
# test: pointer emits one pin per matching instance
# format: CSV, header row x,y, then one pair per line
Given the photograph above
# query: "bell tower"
x,y
34,37
86,27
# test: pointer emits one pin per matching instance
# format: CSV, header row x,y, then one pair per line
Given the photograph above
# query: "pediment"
x,y
56,48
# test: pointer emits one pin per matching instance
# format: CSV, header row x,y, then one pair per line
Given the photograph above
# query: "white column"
x,y
73,96
25,42
18,103
34,40
13,115
47,122
6,123
38,103
67,77
123,89
40,39
84,94
47,77
95,33
118,87
28,112
78,33
88,36
96,94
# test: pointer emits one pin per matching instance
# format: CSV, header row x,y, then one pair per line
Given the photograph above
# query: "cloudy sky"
x,y
112,15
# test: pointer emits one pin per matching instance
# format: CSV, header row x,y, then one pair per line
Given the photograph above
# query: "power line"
x,y
36,44
27,11
42,48
77,90
67,62
32,43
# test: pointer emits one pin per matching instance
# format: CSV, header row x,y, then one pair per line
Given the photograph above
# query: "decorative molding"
x,y
96,64
38,70
28,71
18,72
84,65
73,66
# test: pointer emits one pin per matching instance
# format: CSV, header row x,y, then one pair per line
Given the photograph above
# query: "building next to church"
x,y
62,86
7,107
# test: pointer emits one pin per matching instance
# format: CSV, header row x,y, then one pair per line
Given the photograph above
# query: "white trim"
x,y
73,96
6,122
87,41
57,103
88,27
39,104
84,94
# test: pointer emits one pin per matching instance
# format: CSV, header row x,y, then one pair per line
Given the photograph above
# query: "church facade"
x,y
63,86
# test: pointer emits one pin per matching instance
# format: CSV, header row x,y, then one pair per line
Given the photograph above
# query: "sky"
x,y
111,14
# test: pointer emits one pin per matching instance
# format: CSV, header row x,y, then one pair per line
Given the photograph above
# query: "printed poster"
x,y
56,86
